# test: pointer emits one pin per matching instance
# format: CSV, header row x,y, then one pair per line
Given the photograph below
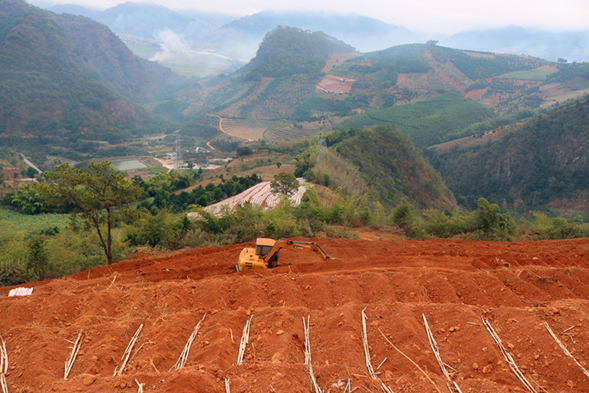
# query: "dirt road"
x,y
515,286
224,131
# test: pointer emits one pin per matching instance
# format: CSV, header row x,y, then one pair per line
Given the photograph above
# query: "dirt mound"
x,y
515,286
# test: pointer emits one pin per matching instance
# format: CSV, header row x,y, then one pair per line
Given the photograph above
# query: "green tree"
x,y
27,199
100,194
37,256
488,216
403,215
31,172
244,151
284,184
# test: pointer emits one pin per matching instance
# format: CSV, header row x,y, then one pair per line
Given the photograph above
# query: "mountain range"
x,y
432,93
148,28
566,45
70,81
67,78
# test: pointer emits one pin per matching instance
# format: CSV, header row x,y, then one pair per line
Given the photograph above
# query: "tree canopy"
x,y
284,184
99,194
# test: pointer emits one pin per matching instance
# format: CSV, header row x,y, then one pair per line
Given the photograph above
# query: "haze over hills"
x,y
363,33
74,10
183,35
82,83
569,45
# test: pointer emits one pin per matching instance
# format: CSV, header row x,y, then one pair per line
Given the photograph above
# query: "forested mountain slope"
x,y
53,71
433,94
106,57
538,163
380,164
286,51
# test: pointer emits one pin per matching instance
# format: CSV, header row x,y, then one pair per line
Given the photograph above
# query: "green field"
x,y
16,222
426,122
538,75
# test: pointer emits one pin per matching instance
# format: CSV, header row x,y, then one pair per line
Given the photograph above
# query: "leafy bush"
x,y
543,227
438,224
37,256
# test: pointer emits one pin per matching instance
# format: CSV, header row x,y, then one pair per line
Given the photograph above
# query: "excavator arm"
x,y
287,243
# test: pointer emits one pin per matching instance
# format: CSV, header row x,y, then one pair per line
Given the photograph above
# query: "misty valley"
x,y
390,127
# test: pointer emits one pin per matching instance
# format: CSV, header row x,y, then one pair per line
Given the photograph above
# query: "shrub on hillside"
x,y
543,227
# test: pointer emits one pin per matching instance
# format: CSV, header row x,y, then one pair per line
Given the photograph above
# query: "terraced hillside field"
x,y
457,286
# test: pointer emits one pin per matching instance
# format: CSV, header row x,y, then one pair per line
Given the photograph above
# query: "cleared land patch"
x,y
515,287
248,128
336,84
537,74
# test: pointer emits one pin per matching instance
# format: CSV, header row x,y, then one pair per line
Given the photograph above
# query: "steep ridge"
x,y
533,164
379,164
516,286
118,68
53,70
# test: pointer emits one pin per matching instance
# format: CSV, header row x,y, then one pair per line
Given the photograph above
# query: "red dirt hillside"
x,y
515,286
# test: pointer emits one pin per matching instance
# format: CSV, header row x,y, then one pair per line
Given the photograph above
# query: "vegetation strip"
x,y
186,351
507,356
373,375
70,362
245,338
127,353
308,363
566,351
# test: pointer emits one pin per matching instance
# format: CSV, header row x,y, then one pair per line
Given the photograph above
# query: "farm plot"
x,y
403,316
248,128
335,84
260,194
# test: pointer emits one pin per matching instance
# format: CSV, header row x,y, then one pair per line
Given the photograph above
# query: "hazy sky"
x,y
435,16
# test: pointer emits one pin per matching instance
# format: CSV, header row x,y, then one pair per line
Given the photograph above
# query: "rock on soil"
x,y
515,286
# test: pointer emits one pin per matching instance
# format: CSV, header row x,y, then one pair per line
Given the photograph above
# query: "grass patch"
x,y
427,122
16,222
538,75
156,170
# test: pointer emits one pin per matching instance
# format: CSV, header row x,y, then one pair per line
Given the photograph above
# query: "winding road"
x,y
225,132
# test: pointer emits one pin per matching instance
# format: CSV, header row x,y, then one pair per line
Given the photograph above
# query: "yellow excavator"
x,y
265,255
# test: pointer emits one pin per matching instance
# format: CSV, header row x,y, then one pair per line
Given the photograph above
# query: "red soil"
x,y
516,286
335,84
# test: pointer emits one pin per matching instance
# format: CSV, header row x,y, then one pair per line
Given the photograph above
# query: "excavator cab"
x,y
263,248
